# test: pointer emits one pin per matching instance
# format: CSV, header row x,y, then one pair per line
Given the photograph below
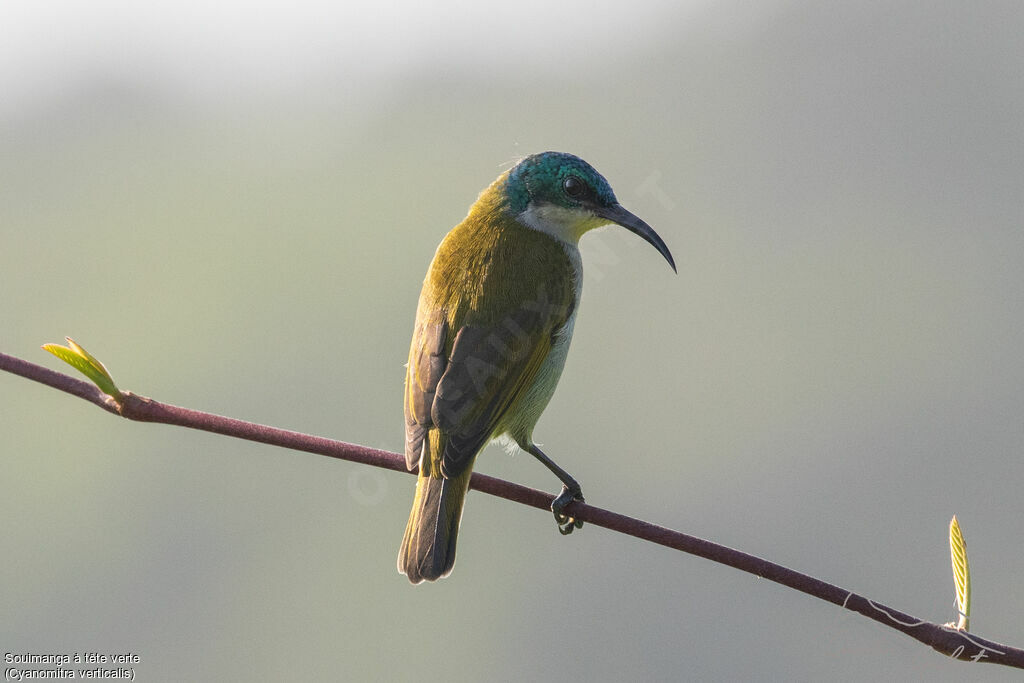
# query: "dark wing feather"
x,y
489,368
426,365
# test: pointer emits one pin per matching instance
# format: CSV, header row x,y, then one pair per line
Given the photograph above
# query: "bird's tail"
x,y
428,549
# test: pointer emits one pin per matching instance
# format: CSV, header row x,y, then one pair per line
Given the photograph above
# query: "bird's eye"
x,y
574,187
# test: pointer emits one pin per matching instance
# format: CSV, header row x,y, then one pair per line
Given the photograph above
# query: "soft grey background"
x,y
233,205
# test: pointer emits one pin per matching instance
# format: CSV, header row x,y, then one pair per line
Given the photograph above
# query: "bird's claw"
x,y
566,524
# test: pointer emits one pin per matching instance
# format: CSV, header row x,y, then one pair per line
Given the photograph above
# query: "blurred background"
x,y
233,205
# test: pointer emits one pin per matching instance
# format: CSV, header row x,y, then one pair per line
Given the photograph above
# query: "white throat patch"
x,y
565,225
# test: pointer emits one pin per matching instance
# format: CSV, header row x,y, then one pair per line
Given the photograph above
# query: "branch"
x,y
946,639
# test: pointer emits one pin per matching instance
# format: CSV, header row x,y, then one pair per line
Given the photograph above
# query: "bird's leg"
x,y
570,491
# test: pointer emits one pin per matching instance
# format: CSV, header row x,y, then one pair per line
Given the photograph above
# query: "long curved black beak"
x,y
620,216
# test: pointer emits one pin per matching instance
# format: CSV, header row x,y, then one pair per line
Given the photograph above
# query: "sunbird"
x,y
492,331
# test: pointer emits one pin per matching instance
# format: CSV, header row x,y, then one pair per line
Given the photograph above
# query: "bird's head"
x,y
564,196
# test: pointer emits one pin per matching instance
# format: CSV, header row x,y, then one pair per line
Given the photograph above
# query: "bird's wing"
x,y
426,365
490,366
465,392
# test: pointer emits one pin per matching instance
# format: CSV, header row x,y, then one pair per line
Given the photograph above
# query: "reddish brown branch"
x,y
947,640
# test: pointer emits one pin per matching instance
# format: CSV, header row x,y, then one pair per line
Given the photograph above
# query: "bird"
x,y
492,330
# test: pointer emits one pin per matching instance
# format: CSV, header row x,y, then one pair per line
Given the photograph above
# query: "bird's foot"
x,y
566,524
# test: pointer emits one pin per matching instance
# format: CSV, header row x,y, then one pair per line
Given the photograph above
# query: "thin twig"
x,y
945,639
